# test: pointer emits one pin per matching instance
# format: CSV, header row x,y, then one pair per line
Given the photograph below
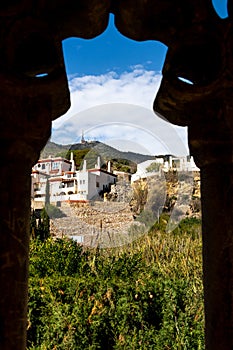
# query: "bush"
x,y
146,296
40,227
53,211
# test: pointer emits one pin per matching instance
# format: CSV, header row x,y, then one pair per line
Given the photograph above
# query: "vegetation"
x,y
90,155
53,211
106,152
153,167
145,296
80,155
40,225
40,221
124,165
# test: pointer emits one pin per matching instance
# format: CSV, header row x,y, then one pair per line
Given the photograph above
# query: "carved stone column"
x,y
204,103
28,103
33,92
211,142
200,51
18,154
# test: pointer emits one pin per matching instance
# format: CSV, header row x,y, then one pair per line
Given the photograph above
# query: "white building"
x,y
180,164
144,169
53,166
58,179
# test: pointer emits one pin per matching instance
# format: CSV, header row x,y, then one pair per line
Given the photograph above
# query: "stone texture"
x,y
102,224
199,49
119,220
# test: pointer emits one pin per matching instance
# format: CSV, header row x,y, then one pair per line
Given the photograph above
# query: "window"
x,y
97,184
43,166
55,165
37,187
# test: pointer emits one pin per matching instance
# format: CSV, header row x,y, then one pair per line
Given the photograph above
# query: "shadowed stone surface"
x,y
199,49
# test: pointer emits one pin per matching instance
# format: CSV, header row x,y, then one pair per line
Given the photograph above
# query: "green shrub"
x,y
153,167
145,296
40,227
53,211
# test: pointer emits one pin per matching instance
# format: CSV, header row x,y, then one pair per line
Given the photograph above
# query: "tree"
x,y
40,228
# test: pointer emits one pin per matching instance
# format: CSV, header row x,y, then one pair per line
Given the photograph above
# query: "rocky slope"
x,y
129,211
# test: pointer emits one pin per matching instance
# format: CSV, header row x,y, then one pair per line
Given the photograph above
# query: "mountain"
x,y
54,150
104,151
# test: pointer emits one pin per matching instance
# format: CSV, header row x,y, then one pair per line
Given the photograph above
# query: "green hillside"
x,y
106,152
121,161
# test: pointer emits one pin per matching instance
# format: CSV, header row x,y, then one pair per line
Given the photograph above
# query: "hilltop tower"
x,y
83,141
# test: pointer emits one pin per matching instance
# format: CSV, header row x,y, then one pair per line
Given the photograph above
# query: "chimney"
x,y
72,161
109,166
98,163
170,162
84,165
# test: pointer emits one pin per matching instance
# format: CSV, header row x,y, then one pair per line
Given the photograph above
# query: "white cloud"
x,y
109,107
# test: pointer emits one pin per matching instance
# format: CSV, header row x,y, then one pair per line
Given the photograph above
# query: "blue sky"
x,y
111,51
109,73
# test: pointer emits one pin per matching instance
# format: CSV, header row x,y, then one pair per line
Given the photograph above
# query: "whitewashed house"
x,y
142,169
180,164
58,180
172,163
53,166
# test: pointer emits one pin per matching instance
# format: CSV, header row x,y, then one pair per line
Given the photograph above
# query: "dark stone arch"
x,y
29,102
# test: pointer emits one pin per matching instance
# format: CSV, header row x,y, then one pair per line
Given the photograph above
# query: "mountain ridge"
x,y
53,149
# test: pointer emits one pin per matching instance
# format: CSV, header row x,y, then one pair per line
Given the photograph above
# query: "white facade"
x,y
53,166
58,179
173,163
142,171
180,164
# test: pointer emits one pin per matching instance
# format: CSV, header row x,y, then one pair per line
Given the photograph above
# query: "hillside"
x,y
122,161
54,150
